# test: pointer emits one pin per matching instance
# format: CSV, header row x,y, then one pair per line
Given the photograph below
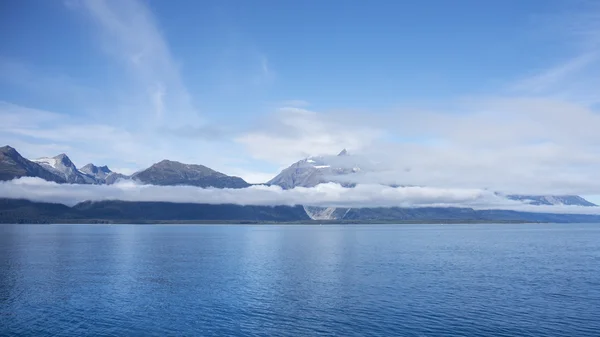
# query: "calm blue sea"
x,y
367,280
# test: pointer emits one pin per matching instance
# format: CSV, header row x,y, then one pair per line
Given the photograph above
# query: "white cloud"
x,y
513,145
130,34
124,170
322,195
550,78
292,133
252,177
266,74
36,133
509,144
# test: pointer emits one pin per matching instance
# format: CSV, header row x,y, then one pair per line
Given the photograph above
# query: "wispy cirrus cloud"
x,y
129,33
550,79
576,29
144,114
266,74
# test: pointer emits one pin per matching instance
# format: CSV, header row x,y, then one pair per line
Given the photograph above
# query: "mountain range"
x,y
312,171
114,211
13,165
308,172
61,169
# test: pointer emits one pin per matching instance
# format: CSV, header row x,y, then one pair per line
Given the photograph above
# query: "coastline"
x,y
255,222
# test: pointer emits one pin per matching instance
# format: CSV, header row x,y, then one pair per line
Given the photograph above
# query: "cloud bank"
x,y
509,144
326,195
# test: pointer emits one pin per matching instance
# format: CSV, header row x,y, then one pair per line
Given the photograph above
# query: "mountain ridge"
x,y
62,165
168,173
98,172
61,169
312,171
113,211
13,165
308,172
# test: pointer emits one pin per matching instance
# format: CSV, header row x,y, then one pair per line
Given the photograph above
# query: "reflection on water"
x,y
492,280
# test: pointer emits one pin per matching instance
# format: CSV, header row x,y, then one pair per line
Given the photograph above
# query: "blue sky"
x,y
465,93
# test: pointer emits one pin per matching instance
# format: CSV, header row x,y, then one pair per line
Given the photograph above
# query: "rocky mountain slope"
x,y
114,177
13,165
62,170
312,171
62,166
99,173
308,172
169,172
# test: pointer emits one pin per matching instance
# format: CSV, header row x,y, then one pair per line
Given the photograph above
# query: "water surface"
x,y
389,280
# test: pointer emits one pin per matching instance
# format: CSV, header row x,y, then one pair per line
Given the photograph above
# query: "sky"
x,y
500,95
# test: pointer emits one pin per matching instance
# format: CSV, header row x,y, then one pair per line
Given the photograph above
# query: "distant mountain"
x,y
61,169
169,172
24,211
98,172
552,200
113,177
13,165
188,211
312,171
62,166
308,172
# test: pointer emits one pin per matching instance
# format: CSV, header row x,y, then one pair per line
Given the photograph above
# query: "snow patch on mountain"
x,y
62,166
312,171
52,162
326,213
346,169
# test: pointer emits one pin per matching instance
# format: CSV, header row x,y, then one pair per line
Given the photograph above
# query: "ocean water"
x,y
367,280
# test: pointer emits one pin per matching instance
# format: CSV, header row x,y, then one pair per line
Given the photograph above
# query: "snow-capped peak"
x,y
63,166
46,161
62,160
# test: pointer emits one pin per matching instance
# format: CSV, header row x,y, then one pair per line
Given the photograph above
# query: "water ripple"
x,y
538,280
